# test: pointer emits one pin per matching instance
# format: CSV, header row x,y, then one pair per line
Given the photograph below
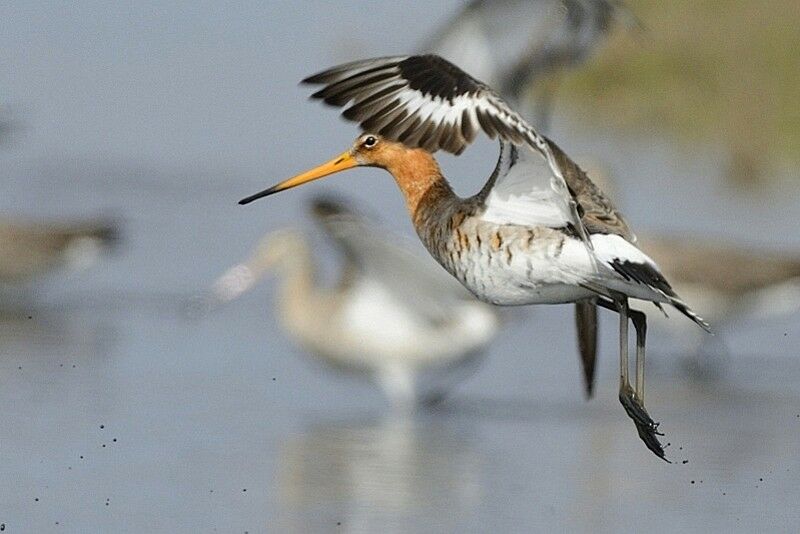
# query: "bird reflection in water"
x,y
393,475
394,316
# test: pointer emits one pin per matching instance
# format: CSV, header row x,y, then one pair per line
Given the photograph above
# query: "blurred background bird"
x,y
394,315
520,47
732,284
29,251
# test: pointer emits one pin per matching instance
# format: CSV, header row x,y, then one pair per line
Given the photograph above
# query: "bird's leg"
x,y
619,304
640,324
622,307
646,427
628,397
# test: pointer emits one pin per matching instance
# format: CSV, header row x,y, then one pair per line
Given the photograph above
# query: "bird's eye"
x,y
370,141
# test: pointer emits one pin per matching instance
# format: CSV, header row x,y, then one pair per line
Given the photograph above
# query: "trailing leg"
x,y
628,397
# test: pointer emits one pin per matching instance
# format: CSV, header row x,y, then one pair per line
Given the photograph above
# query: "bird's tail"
x,y
684,308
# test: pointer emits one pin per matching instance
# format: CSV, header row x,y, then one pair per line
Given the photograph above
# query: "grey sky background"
x,y
211,84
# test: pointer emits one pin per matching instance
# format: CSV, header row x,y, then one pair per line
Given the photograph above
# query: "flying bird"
x,y
538,232
513,45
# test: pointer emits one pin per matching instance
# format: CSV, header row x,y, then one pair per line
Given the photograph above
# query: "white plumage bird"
x,y
394,315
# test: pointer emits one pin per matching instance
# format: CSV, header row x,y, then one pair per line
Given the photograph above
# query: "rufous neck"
x,y
420,179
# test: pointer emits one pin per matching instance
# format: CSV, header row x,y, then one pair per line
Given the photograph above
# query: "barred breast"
x,y
500,264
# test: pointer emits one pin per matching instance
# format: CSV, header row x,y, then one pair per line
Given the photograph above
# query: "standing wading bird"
x,y
539,232
394,315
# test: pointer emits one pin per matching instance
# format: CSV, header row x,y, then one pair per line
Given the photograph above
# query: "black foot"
x,y
645,426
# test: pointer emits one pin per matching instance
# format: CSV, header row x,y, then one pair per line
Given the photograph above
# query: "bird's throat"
x,y
420,180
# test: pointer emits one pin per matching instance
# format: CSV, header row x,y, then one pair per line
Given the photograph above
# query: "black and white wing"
x,y
523,190
427,102
422,101
413,279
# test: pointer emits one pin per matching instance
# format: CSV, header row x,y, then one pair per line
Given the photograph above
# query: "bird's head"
x,y
368,150
280,250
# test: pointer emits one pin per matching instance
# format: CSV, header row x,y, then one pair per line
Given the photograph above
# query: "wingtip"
x,y
691,314
699,321
702,323
314,79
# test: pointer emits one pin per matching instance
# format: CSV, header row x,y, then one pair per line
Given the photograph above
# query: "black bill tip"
x,y
262,194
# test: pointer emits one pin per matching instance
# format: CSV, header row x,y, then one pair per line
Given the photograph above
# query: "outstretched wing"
x,y
596,211
523,190
426,101
422,101
414,279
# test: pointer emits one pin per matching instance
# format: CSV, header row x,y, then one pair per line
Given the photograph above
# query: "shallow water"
x,y
124,413
143,421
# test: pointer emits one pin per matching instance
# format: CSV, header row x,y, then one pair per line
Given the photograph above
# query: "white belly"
x,y
526,280
545,272
372,330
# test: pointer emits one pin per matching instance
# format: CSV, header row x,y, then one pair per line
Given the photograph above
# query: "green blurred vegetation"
x,y
725,71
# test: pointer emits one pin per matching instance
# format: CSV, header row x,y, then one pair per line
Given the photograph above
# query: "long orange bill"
x,y
341,163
